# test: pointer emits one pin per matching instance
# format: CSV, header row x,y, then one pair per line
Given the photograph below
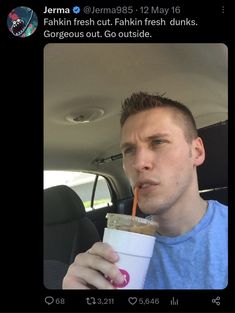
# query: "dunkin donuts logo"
x,y
125,282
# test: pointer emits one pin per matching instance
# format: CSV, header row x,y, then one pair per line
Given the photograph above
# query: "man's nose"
x,y
143,160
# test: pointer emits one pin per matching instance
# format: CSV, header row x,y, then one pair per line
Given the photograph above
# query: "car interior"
x,y
84,87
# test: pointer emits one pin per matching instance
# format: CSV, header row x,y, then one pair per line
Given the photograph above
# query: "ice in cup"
x,y
133,224
133,238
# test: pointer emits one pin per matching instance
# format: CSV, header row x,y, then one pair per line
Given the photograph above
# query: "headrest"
x,y
213,173
62,205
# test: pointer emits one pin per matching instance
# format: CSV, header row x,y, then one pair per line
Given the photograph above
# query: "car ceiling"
x,y
93,79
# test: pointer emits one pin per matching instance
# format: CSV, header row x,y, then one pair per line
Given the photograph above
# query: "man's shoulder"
x,y
219,215
218,205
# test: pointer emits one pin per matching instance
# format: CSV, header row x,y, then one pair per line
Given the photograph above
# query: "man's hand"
x,y
91,268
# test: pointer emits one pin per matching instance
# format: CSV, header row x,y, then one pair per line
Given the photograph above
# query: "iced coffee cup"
x,y
133,239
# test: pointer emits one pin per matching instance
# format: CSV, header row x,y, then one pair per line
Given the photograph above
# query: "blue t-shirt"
x,y
197,259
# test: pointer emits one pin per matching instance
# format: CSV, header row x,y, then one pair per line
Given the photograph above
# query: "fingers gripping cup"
x,y
133,239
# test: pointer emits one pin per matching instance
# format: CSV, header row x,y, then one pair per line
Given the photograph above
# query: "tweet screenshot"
x,y
118,115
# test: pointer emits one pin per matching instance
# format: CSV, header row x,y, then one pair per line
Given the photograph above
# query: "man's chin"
x,y
151,208
148,210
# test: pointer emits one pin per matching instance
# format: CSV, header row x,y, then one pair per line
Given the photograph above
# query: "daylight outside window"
x,y
82,183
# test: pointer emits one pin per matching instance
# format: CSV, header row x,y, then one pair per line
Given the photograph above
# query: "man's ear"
x,y
198,151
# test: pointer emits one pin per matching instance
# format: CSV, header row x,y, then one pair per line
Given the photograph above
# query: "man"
x,y
161,151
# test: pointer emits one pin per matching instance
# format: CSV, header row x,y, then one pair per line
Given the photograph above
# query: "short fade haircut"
x,y
142,101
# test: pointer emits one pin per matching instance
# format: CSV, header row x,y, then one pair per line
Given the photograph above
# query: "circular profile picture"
x,y
22,22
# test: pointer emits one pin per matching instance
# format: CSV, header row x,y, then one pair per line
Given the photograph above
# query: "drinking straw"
x,y
135,202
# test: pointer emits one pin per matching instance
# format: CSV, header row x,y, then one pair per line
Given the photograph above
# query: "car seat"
x,y
67,230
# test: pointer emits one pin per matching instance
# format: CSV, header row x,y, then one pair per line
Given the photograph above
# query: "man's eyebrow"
x,y
158,135
154,136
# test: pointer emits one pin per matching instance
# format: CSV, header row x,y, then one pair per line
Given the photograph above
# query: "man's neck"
x,y
179,220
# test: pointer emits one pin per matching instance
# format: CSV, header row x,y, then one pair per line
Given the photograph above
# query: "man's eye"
x,y
157,141
128,150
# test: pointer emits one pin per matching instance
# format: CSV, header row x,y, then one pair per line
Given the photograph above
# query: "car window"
x,y
91,188
102,194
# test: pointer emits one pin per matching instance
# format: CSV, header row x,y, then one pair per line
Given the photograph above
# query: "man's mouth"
x,y
146,185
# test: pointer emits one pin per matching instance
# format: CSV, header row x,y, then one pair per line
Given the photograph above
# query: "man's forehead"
x,y
148,127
